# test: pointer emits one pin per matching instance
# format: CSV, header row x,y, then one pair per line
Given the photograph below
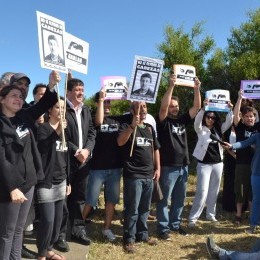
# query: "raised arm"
x,y
167,98
197,99
237,108
99,118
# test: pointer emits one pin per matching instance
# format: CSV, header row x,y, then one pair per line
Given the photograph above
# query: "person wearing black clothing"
x,y
50,192
81,136
141,166
20,164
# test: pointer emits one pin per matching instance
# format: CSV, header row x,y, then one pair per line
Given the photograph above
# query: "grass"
x,y
226,235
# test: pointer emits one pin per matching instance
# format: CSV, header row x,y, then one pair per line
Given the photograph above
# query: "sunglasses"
x,y
211,117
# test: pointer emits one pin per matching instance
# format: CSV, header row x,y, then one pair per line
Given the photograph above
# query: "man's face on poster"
x,y
145,83
53,44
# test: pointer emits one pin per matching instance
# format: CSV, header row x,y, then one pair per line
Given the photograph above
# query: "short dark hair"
x,y
6,89
146,75
246,109
52,37
71,83
175,98
37,86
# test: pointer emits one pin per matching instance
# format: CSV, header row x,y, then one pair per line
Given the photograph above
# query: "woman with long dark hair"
x,y
209,154
20,163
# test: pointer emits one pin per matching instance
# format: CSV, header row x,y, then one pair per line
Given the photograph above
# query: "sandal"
x,y
56,257
238,220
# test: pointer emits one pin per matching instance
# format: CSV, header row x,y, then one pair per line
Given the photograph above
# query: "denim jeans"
x,y
254,254
255,214
173,183
137,202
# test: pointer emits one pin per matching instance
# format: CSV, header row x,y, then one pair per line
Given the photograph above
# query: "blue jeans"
x,y
110,178
137,202
254,254
173,183
255,214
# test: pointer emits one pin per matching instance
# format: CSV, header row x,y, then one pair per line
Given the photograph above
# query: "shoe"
x,y
129,248
180,231
150,242
212,248
108,235
251,230
164,236
192,224
212,219
81,239
151,217
61,245
27,253
238,220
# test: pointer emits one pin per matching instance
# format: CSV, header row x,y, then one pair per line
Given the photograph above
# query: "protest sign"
x,y
145,79
185,74
217,100
77,52
251,89
115,86
51,42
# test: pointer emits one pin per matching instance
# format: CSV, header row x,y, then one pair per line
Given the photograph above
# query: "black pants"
x,y
49,227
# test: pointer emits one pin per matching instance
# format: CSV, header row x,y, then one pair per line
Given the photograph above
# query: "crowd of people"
x,y
56,156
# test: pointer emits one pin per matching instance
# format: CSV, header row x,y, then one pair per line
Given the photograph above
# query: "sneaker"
x,y
192,224
129,248
164,236
212,219
212,248
251,230
180,231
238,220
108,235
149,241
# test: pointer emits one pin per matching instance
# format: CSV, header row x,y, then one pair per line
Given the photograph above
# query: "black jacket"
x,y
11,149
88,135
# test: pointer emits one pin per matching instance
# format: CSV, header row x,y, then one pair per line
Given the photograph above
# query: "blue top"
x,y
254,139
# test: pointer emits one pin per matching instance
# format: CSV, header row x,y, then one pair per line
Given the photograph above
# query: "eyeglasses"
x,y
211,117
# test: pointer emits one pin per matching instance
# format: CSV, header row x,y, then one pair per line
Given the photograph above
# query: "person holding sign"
x,y
174,158
20,163
145,83
245,127
139,170
209,154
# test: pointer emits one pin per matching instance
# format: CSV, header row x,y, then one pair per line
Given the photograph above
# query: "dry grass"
x,y
226,235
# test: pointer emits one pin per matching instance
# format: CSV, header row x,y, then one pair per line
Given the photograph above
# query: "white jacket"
x,y
203,133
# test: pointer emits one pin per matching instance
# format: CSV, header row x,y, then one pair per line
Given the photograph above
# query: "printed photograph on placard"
x,y
51,42
145,79
116,87
251,89
218,100
185,74
77,52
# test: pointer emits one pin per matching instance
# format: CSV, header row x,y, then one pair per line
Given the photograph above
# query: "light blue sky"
x,y
116,31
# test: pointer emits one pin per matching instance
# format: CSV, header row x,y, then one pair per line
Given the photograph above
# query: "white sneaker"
x,y
212,218
192,224
108,234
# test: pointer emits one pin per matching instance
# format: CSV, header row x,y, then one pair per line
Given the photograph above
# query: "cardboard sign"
x,y
77,52
145,79
51,42
185,74
218,100
251,89
115,86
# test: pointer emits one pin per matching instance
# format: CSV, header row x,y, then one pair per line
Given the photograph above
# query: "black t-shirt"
x,y
141,164
106,153
172,137
212,155
59,171
244,156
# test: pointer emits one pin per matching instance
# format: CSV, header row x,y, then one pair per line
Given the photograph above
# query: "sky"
x,y
116,31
